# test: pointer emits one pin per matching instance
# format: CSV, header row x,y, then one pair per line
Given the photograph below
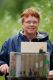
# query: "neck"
x,y
30,36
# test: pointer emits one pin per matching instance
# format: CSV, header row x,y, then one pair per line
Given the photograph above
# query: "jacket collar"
x,y
41,36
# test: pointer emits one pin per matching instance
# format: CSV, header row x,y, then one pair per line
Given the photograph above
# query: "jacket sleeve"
x,y
4,56
50,50
51,60
7,47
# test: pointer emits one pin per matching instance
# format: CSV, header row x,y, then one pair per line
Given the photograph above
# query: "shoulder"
x,y
42,35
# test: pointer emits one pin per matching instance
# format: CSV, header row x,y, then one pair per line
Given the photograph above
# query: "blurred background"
x,y
10,11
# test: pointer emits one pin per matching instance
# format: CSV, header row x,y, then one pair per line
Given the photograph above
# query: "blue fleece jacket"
x,y
13,44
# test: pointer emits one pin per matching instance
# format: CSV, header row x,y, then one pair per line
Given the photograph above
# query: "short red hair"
x,y
30,11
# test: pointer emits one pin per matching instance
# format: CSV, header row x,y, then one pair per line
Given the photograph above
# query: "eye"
x,y
34,22
28,22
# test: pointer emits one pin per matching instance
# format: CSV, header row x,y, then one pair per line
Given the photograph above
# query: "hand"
x,y
4,69
51,74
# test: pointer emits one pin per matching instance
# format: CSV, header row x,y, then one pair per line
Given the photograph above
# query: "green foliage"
x,y
10,11
2,78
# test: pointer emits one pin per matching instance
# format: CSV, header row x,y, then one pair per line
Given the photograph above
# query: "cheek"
x,y
25,26
36,26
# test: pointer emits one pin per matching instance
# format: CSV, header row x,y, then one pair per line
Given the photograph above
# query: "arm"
x,y
50,50
4,59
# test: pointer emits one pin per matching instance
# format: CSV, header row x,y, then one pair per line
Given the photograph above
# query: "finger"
x,y
7,69
4,70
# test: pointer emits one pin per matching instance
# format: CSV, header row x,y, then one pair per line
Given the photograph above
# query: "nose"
x,y
31,24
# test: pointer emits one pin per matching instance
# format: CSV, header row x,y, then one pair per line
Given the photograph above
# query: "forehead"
x,y
32,18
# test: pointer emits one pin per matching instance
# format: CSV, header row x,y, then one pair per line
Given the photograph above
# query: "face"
x,y
30,24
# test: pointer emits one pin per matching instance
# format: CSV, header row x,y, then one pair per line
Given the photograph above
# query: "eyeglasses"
x,y
29,22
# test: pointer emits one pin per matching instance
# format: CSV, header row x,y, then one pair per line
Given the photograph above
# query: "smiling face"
x,y
30,24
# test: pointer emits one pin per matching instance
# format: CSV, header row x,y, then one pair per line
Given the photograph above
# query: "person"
x,y
30,19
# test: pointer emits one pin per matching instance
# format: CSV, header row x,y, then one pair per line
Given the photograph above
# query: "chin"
x,y
31,32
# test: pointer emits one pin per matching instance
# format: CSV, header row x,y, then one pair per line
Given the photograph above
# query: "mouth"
x,y
31,28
